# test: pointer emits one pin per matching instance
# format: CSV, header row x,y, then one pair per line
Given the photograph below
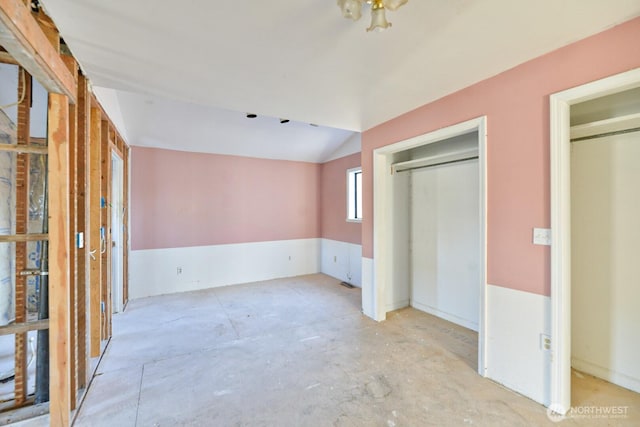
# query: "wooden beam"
x,y
48,28
72,66
20,328
73,252
23,162
59,269
105,185
84,277
95,242
24,149
6,58
24,238
23,38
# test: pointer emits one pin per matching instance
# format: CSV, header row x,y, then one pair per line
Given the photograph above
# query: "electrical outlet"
x,y
289,257
545,342
335,258
179,270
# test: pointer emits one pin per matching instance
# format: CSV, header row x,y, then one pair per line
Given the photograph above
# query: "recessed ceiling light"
x,y
251,116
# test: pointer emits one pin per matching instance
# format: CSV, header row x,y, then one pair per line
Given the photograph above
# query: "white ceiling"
x,y
174,65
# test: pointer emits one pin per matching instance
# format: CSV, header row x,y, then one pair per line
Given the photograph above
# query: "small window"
x,y
354,194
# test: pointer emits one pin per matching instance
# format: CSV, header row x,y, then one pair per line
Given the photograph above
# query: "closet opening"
x,y
429,227
594,209
605,231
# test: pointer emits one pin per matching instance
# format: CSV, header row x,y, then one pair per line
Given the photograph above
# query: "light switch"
x,y
542,236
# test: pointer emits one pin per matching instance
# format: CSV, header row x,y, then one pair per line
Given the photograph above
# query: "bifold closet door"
x,y
605,265
445,241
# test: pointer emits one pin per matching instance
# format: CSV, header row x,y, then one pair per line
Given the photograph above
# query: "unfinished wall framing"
x,y
55,237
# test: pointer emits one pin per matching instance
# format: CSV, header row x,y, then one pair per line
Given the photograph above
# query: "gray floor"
x,y
298,352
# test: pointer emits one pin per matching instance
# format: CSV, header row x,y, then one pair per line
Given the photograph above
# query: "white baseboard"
x,y
446,316
397,305
606,374
341,260
155,271
515,320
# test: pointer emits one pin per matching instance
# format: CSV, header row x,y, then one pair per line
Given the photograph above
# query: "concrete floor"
x,y
298,352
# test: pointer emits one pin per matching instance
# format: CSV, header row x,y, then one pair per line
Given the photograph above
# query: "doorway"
x,y
117,232
453,153
566,169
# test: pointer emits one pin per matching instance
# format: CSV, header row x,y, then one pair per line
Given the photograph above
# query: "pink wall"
x,y
333,201
181,199
516,104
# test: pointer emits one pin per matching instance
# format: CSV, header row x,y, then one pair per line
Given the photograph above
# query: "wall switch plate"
x,y
542,236
178,270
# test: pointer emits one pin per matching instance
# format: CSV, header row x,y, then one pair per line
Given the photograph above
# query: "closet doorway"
x,y
595,140
430,227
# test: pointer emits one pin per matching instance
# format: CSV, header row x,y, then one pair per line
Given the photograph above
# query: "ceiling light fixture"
x,y
352,9
284,121
251,116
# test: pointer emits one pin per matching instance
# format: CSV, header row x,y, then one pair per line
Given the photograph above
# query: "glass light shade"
x,y
351,9
378,20
394,4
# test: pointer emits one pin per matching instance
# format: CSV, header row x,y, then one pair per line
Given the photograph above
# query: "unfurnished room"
x,y
327,213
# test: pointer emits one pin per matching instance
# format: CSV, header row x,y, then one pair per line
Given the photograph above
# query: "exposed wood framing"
x,y
80,141
24,237
73,252
94,231
82,176
23,149
48,28
20,328
6,58
105,181
59,269
23,38
22,204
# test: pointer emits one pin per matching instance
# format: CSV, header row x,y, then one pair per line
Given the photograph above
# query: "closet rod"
x,y
602,135
438,164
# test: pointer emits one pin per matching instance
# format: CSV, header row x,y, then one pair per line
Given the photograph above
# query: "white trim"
x,y
560,168
382,219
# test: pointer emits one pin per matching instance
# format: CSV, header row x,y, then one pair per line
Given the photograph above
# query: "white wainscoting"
x,y
515,358
368,297
341,260
155,271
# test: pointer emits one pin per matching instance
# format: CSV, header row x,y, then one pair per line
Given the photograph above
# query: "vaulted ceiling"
x,y
183,74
